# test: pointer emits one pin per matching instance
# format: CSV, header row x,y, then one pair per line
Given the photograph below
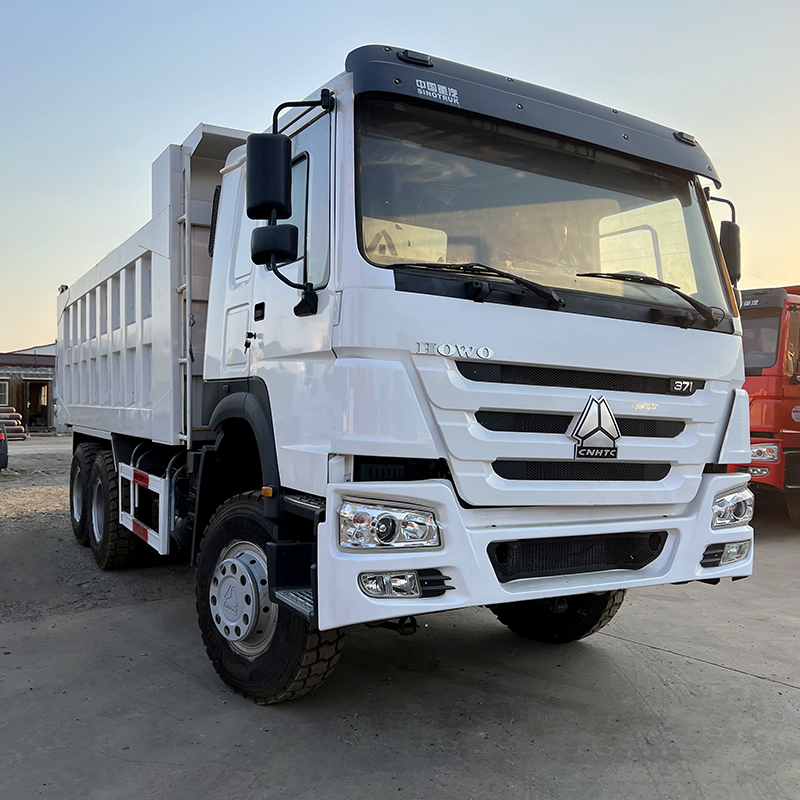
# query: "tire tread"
x,y
513,616
123,546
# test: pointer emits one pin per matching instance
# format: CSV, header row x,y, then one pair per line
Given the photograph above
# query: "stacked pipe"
x,y
15,431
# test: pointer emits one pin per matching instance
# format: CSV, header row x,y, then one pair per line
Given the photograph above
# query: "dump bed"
x,y
132,329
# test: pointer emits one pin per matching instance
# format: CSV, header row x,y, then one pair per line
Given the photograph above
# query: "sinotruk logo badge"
x,y
596,432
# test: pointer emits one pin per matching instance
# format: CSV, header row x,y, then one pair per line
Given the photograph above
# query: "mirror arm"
x,y
309,303
721,200
325,101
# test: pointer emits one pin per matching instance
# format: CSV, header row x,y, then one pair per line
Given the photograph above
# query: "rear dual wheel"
x,y
113,545
261,650
79,481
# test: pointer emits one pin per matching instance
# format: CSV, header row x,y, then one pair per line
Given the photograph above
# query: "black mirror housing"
x,y
269,176
278,241
731,244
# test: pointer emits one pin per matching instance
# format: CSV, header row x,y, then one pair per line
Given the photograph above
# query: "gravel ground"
x,y
48,572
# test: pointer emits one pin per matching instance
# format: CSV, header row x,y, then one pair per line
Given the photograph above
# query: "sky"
x,y
92,92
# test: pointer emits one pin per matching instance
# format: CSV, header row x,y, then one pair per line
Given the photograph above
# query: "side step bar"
x,y
300,600
293,576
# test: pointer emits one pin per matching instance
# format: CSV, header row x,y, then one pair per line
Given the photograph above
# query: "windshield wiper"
x,y
712,320
545,292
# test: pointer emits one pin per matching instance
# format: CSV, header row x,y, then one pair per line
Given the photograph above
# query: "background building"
x,y
26,385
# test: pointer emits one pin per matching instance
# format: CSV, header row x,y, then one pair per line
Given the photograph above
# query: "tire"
x,y
560,620
282,656
79,477
113,545
793,506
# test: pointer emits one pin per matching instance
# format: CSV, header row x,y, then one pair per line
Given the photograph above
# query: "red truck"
x,y
771,337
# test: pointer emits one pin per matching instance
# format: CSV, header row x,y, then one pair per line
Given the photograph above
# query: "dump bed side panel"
x,y
119,327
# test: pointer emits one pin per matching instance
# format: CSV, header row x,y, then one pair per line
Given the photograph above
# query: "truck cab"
x,y
771,341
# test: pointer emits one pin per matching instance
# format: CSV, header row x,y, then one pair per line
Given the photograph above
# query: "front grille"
x,y
569,378
580,470
570,555
523,422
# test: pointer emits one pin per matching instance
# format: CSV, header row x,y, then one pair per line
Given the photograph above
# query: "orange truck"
x,y
771,337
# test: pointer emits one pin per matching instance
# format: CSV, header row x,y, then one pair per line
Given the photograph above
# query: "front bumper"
x,y
468,532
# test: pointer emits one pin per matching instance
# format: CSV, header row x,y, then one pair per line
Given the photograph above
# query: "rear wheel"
x,y
113,545
261,650
793,506
562,619
79,478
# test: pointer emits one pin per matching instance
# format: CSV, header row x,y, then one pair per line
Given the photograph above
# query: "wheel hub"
x,y
239,598
98,512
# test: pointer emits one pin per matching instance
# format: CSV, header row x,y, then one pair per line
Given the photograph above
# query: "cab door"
x,y
292,354
236,324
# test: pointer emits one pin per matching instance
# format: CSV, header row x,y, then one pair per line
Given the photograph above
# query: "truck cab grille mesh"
x,y
580,470
570,555
524,422
569,378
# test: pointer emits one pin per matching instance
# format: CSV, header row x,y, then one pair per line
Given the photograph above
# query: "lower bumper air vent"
x,y
580,470
571,555
433,583
713,555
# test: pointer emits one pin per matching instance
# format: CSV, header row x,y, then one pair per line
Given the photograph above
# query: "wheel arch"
x,y
242,458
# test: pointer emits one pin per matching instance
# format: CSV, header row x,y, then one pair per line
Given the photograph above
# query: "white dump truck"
x,y
439,339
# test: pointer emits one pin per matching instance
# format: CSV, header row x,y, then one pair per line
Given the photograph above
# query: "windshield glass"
x,y
760,335
443,186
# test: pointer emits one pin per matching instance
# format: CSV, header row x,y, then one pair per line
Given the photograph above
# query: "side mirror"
x,y
731,244
278,241
269,176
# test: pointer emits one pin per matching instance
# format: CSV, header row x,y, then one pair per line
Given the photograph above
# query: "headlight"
x,y
731,508
368,527
765,452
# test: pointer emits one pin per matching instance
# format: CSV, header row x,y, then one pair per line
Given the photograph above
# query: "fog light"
x,y
734,507
758,472
734,551
365,526
390,584
764,452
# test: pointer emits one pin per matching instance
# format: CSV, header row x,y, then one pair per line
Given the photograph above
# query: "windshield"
x,y
760,335
447,187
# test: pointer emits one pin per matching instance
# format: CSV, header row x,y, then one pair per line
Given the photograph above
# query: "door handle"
x,y
258,312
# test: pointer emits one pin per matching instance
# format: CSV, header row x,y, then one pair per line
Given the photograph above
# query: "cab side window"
x,y
793,341
299,203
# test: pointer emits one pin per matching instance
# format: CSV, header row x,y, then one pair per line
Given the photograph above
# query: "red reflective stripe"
x,y
142,478
140,530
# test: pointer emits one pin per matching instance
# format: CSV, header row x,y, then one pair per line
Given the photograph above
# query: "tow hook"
x,y
559,605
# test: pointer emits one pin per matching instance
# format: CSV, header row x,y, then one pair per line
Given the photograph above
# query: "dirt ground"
x,y
105,690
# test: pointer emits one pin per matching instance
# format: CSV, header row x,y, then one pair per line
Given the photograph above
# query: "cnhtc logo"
x,y
596,431
230,601
437,91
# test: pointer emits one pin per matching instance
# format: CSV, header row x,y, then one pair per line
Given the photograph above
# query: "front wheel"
x,y
261,650
562,619
793,506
